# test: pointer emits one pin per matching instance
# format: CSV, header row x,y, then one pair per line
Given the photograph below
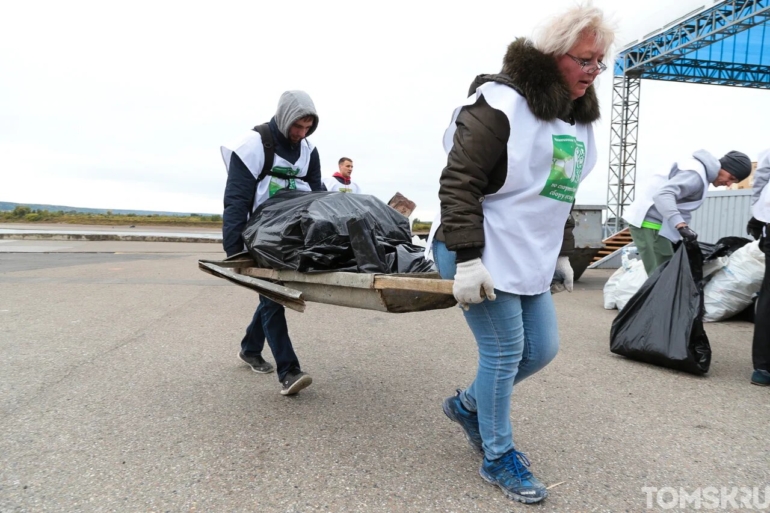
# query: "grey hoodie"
x,y
292,106
683,186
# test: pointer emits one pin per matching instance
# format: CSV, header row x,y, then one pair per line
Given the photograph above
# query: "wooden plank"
x,y
338,279
438,286
351,297
287,297
396,293
358,280
230,264
402,301
256,272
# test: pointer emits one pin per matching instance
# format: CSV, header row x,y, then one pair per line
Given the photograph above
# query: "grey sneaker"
x,y
257,363
294,382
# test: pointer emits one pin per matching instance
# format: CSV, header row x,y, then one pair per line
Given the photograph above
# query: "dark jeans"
x,y
270,322
760,350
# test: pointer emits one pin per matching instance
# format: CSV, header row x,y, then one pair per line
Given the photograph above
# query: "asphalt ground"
x,y
120,390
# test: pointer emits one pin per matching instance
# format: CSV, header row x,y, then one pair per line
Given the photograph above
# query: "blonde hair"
x,y
557,35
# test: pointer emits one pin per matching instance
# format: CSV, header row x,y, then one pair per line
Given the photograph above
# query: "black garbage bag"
x,y
662,323
707,249
332,231
725,246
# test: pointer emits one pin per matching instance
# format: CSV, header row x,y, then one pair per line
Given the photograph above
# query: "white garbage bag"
x,y
631,281
713,266
611,286
620,280
732,288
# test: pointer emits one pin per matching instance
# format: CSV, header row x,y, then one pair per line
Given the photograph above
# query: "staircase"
x,y
614,243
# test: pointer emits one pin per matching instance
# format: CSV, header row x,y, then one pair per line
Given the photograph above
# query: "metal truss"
x,y
712,72
721,21
623,141
661,56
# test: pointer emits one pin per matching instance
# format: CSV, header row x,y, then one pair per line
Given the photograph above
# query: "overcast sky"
x,y
125,105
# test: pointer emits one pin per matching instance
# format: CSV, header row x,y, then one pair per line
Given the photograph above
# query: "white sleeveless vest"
x,y
638,209
252,153
524,220
332,185
761,209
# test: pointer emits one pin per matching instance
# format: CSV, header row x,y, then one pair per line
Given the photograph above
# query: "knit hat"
x,y
737,164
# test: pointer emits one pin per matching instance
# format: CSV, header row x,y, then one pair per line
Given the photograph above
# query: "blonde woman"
x,y
517,151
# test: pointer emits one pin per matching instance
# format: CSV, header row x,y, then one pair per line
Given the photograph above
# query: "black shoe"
x,y
761,378
294,382
257,363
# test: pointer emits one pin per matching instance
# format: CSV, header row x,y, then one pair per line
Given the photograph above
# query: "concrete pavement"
x,y
120,390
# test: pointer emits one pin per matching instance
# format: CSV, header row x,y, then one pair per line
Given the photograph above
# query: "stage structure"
x,y
726,43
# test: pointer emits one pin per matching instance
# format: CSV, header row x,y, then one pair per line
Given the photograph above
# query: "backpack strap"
x,y
269,146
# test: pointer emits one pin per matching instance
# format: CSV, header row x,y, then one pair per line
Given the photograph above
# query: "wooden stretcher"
x,y
395,293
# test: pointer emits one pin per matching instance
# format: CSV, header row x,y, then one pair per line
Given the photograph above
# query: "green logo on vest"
x,y
569,155
276,183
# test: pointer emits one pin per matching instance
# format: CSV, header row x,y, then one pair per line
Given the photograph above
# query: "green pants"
x,y
653,247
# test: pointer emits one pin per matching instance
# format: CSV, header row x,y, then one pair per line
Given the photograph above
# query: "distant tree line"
x,y
28,215
420,226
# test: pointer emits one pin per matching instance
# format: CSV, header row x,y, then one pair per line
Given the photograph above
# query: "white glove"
x,y
472,283
563,272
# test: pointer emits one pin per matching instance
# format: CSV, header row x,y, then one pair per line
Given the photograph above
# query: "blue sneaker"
x,y
468,420
513,477
761,378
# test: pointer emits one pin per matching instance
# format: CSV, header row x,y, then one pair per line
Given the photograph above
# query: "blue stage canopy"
x,y
726,44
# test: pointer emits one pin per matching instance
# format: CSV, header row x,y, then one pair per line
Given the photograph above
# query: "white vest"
x,y
252,153
638,209
761,209
524,220
332,185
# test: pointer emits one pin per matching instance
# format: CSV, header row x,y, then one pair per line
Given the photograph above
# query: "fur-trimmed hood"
x,y
537,78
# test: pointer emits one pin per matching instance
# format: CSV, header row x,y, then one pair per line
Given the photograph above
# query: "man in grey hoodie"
x,y
295,165
660,214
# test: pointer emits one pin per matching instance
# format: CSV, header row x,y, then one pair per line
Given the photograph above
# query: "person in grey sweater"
x,y
661,214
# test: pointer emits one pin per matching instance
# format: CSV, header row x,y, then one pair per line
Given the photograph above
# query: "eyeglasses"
x,y
599,67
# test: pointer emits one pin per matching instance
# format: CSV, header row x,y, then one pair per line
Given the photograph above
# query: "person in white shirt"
x,y
517,150
341,181
759,227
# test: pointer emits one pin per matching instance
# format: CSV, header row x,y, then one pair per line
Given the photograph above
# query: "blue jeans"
x,y
516,337
269,322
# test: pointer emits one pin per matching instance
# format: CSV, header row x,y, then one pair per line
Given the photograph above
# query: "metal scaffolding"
x,y
721,45
623,138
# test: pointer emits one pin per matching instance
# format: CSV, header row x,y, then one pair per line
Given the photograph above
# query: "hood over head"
x,y
292,106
